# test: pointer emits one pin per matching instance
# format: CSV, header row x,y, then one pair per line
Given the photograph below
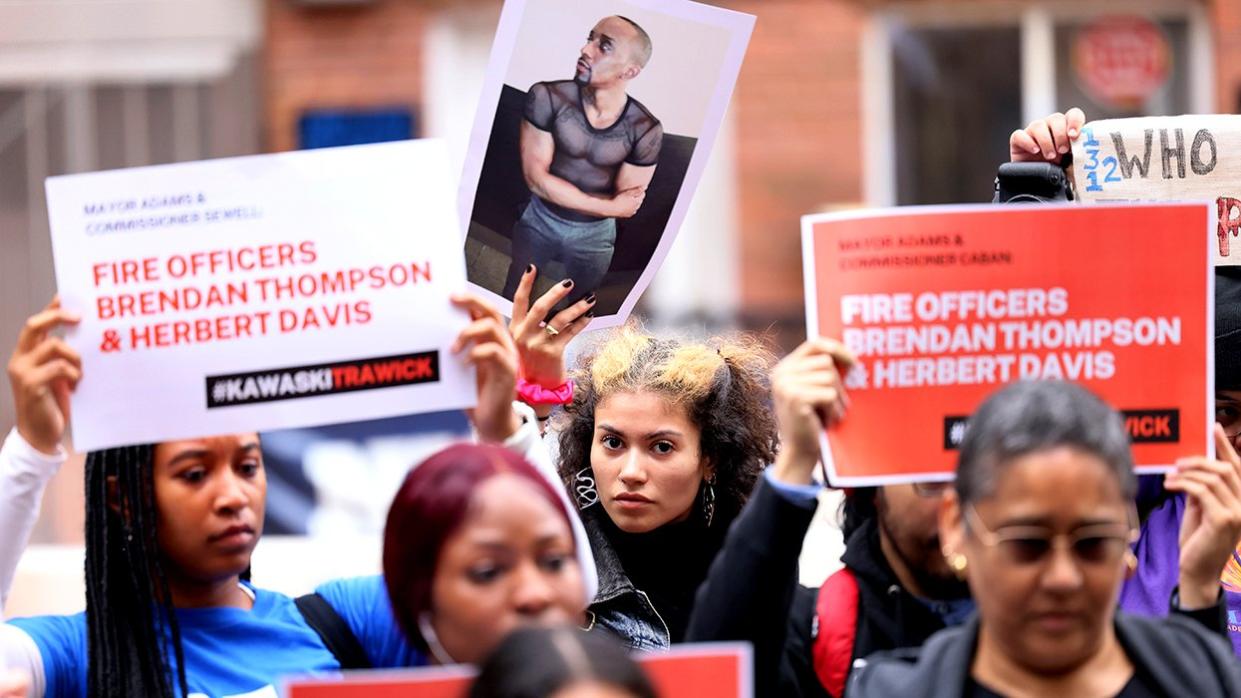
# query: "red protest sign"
x,y
707,669
720,670
430,682
943,305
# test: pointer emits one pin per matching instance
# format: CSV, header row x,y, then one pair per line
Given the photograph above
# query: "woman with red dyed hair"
x,y
478,543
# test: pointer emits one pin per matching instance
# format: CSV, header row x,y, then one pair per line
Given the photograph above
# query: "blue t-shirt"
x,y
231,652
363,603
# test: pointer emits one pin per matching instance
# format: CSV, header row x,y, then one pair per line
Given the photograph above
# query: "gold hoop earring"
x,y
959,564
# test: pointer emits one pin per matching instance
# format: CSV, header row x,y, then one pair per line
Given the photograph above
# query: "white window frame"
x,y
1036,22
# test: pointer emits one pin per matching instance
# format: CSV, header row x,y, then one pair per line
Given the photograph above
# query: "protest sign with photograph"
x,y
595,124
260,292
943,305
716,669
1167,158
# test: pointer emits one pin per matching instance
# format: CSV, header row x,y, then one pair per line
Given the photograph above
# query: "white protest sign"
x,y
1166,158
261,292
595,199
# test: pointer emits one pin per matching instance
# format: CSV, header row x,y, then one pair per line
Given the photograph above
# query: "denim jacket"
x,y
619,606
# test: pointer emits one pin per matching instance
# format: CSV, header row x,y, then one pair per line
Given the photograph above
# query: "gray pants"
x,y
585,248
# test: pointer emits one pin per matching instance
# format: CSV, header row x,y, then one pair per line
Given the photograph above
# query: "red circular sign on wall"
x,y
1121,61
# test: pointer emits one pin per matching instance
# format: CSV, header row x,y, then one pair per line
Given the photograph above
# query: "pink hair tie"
x,y
535,394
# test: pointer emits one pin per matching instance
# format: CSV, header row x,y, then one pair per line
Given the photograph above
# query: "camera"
x,y
1032,182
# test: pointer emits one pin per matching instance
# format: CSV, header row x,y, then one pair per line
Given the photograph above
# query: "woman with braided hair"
x,y
170,529
661,442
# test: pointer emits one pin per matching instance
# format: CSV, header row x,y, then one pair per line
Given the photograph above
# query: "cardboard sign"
x,y
261,292
1167,158
719,670
594,127
943,305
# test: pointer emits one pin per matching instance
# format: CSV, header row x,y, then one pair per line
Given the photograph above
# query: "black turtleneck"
x,y
668,563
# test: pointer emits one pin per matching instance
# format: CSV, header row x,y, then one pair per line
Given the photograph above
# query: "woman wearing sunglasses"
x,y
1040,522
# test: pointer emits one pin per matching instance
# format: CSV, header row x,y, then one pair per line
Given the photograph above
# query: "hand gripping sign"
x,y
260,292
1167,158
943,305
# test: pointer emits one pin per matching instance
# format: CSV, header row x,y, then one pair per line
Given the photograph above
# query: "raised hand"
x,y
1048,139
1211,526
43,371
809,396
494,357
541,340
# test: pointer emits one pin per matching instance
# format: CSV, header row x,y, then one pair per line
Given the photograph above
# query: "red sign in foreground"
x,y
720,670
943,305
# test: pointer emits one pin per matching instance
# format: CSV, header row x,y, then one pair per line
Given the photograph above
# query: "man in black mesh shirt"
x,y
588,152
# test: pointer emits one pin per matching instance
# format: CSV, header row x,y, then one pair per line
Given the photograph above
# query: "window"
x,y
957,94
945,84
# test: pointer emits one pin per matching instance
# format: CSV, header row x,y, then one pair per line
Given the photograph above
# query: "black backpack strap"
x,y
333,630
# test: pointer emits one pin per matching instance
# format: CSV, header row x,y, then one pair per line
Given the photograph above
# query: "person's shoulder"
x,y
70,627
362,602
364,605
269,603
887,673
1175,643
644,115
61,644
560,88
1170,630
938,667
348,591
1180,655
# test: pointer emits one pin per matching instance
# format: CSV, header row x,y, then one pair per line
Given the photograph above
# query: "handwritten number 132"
x,y
1092,167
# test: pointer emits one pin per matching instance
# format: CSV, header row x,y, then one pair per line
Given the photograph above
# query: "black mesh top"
x,y
586,156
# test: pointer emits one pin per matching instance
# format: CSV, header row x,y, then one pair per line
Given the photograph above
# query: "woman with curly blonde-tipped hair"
x,y
661,442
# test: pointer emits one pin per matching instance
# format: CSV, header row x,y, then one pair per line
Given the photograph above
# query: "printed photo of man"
x,y
588,153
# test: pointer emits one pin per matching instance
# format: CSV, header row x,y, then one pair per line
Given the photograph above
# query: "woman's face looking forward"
x,y
1045,568
647,461
211,495
510,563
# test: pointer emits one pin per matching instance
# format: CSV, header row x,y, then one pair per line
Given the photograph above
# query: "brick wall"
x,y
340,57
798,111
